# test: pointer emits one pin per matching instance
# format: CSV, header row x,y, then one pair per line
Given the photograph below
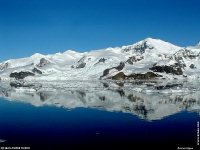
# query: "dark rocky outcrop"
x,y
21,75
140,47
120,66
102,60
192,66
119,76
140,76
105,85
105,72
43,62
82,59
173,69
184,53
81,65
122,76
133,59
35,70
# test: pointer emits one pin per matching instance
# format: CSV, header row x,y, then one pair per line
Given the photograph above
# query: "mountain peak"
x,y
156,42
36,55
149,39
157,45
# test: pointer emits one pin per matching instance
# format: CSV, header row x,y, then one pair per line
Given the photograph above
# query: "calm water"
x,y
23,124
61,120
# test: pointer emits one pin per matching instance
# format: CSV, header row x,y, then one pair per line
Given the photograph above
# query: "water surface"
x,y
71,118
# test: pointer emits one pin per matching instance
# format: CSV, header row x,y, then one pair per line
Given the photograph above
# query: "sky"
x,y
50,26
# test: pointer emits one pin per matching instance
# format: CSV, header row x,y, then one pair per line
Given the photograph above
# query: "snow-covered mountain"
x,y
146,59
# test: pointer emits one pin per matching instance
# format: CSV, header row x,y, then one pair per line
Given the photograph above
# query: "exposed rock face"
x,y
105,72
192,66
173,69
134,59
35,70
185,54
4,66
179,59
43,62
81,65
82,59
119,76
21,75
120,66
140,76
102,60
139,47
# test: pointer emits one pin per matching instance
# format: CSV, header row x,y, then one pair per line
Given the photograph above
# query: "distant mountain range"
x,y
146,59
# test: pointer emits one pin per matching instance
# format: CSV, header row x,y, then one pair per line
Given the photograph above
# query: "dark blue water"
x,y
58,128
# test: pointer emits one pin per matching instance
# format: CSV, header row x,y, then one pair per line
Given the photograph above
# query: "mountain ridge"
x,y
149,55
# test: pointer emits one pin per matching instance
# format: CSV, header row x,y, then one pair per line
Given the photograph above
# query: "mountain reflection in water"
x,y
108,96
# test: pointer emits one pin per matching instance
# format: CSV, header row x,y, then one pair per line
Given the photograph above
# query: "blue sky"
x,y
50,26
